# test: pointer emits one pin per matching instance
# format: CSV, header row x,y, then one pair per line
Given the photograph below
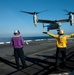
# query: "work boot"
x,y
23,67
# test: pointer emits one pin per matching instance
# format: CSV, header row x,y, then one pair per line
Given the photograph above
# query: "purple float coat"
x,y
17,42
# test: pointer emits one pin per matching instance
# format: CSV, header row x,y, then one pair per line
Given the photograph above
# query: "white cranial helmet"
x,y
61,32
16,32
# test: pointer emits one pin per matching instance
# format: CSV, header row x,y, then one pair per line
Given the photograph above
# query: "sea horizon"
x,y
8,39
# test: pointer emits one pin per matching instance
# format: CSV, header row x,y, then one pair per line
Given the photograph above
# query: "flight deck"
x,y
39,57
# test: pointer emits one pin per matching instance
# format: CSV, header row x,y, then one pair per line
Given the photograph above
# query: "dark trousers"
x,y
62,52
18,53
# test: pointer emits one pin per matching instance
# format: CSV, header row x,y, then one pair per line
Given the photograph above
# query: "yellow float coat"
x,y
61,41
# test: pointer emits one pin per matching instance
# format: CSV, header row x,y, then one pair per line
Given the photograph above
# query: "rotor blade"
x,y
72,12
26,12
66,10
32,13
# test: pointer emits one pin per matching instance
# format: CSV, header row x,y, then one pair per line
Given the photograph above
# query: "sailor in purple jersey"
x,y
17,42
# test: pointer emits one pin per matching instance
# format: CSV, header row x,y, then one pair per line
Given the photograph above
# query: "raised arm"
x,y
50,34
69,36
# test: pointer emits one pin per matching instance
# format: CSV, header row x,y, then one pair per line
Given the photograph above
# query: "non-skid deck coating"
x,y
40,59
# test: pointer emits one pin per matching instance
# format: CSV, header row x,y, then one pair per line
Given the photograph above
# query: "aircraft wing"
x,y
44,21
51,21
63,20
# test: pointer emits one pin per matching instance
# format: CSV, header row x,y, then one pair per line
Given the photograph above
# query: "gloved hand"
x,y
44,32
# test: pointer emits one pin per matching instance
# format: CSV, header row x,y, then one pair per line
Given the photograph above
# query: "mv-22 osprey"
x,y
53,24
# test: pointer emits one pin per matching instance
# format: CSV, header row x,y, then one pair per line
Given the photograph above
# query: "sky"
x,y
11,18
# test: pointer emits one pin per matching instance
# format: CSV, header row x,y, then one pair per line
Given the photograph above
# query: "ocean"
x,y
26,38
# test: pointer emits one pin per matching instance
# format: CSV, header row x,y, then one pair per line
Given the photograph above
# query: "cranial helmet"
x,y
16,32
61,32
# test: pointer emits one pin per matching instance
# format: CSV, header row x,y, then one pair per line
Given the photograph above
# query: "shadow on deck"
x,y
44,66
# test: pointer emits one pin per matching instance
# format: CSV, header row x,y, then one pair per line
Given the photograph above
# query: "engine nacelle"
x,y
71,19
35,19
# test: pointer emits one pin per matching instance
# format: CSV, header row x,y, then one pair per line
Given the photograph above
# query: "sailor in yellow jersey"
x,y
61,44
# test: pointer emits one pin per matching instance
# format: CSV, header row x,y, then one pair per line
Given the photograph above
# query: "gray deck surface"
x,y
39,57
